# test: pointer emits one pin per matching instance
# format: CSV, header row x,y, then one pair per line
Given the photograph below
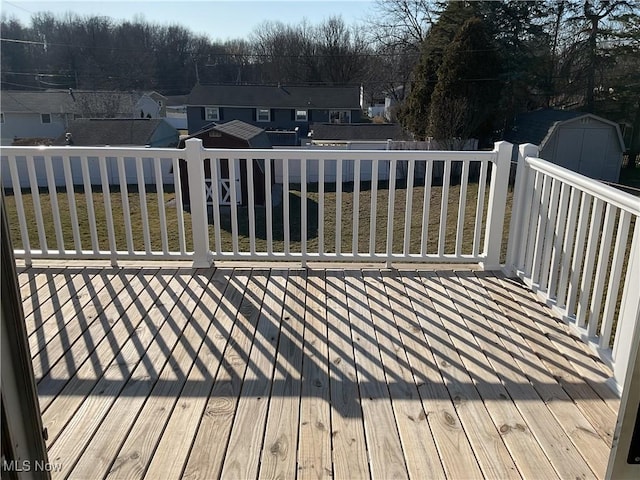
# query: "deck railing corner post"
x,y
515,238
497,205
197,201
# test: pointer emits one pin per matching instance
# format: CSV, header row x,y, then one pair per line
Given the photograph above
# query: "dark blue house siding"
x,y
281,118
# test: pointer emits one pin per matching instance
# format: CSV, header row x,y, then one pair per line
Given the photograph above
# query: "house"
x,y
233,135
582,142
47,114
152,105
35,114
97,132
100,132
273,107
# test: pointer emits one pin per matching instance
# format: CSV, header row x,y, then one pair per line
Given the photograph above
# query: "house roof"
x,y
81,102
111,131
272,96
537,127
358,131
176,100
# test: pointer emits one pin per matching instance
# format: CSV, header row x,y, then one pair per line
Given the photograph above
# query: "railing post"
x,y
627,335
516,225
197,200
497,205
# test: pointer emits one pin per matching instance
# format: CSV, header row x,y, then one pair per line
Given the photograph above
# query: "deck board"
x,y
310,373
106,443
278,458
187,417
206,458
384,447
349,446
314,432
418,446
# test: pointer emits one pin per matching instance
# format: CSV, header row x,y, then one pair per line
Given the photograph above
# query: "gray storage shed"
x,y
582,142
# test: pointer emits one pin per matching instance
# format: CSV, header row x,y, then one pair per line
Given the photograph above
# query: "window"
x,y
301,115
1,117
212,114
263,114
45,117
340,116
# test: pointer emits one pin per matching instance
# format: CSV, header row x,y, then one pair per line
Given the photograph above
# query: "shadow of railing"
x,y
245,332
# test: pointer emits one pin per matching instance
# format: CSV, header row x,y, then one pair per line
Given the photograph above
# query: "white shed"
x,y
582,142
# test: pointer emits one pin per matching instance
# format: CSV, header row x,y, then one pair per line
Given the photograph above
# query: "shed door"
x,y
583,150
594,152
569,148
224,186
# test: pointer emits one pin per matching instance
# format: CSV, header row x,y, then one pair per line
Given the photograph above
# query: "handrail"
x,y
620,199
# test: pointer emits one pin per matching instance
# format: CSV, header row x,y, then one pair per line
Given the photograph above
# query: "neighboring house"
x,y
30,115
42,115
358,135
582,142
376,110
118,132
273,108
151,105
233,135
140,132
392,99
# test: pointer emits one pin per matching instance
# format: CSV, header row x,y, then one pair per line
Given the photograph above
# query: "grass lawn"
x,y
295,201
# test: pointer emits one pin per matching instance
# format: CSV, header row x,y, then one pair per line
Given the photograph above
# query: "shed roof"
x,y
255,137
238,129
273,96
358,131
537,127
111,131
533,127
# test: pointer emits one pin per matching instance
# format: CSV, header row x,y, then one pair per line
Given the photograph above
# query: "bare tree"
x,y
402,22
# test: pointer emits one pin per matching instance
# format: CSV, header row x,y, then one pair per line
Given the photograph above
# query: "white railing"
x,y
80,198
576,242
320,184
343,206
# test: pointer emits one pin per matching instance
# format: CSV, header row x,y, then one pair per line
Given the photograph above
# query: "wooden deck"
x,y
289,373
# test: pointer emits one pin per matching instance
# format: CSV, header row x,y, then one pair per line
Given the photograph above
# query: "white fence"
x,y
576,242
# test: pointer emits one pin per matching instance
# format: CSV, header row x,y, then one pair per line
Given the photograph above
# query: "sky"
x,y
219,19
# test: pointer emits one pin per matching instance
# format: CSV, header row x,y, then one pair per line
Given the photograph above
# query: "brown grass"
x,y
295,200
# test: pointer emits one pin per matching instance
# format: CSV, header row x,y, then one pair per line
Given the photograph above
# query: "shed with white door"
x,y
230,135
582,142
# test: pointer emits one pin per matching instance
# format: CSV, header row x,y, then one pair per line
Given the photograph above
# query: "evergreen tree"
x,y
414,114
466,96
